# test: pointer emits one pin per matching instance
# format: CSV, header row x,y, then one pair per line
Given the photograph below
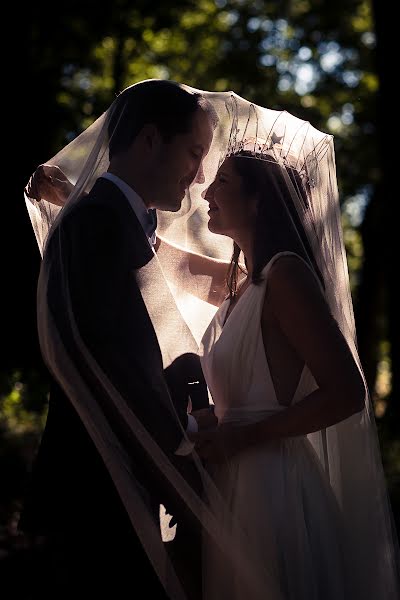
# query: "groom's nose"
x,y
200,175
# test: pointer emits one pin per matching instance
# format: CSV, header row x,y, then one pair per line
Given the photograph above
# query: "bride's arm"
x,y
200,275
49,183
305,319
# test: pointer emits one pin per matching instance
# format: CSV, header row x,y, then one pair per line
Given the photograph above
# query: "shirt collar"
x,y
147,218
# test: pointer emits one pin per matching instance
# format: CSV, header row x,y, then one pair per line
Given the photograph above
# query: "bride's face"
x,y
231,210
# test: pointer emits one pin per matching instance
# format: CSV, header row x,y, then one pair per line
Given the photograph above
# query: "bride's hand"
x,y
49,183
220,444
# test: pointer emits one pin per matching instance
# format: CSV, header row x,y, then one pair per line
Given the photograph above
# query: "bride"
x,y
278,368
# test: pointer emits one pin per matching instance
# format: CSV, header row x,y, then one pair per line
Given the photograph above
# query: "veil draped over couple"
x,y
209,434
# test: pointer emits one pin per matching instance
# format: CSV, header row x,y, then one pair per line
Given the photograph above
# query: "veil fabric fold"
x,y
175,299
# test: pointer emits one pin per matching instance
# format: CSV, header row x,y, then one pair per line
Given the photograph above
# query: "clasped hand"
x,y
215,443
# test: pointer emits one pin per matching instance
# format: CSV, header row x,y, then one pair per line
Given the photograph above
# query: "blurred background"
x,y
325,62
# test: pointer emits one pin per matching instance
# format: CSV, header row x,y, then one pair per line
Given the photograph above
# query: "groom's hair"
x,y
162,103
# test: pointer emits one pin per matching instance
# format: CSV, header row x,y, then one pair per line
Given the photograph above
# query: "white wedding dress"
x,y
278,494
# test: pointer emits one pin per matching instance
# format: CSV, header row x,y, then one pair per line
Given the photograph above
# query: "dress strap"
x,y
272,261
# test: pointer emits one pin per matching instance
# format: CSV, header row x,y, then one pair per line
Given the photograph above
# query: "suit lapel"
x,y
173,334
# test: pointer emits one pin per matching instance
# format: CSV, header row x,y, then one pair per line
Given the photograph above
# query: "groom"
x,y
156,150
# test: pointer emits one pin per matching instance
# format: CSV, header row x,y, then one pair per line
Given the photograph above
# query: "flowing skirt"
x,y
285,518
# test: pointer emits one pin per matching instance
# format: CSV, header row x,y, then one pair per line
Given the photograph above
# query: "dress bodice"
x,y
234,360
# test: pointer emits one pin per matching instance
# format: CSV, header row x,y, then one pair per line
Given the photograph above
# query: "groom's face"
x,y
179,163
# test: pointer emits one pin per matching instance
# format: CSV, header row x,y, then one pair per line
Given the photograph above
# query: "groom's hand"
x,y
206,419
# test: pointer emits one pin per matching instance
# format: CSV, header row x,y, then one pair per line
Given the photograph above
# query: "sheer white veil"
x,y
348,452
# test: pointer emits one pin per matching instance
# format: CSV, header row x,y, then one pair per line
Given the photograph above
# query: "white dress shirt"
x,y
141,212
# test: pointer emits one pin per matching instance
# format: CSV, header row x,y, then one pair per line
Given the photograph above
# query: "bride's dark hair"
x,y
278,226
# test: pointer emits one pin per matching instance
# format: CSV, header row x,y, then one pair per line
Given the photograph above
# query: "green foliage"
x,y
22,403
23,408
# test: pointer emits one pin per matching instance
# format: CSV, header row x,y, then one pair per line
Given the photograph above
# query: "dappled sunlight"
x,y
383,383
354,207
16,417
331,57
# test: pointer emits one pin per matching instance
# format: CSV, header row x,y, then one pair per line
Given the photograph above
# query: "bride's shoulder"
x,y
290,276
286,261
295,295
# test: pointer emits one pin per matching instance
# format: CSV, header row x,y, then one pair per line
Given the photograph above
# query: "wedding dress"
x,y
279,495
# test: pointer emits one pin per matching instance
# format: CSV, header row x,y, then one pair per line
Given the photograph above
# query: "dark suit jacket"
x,y
72,491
